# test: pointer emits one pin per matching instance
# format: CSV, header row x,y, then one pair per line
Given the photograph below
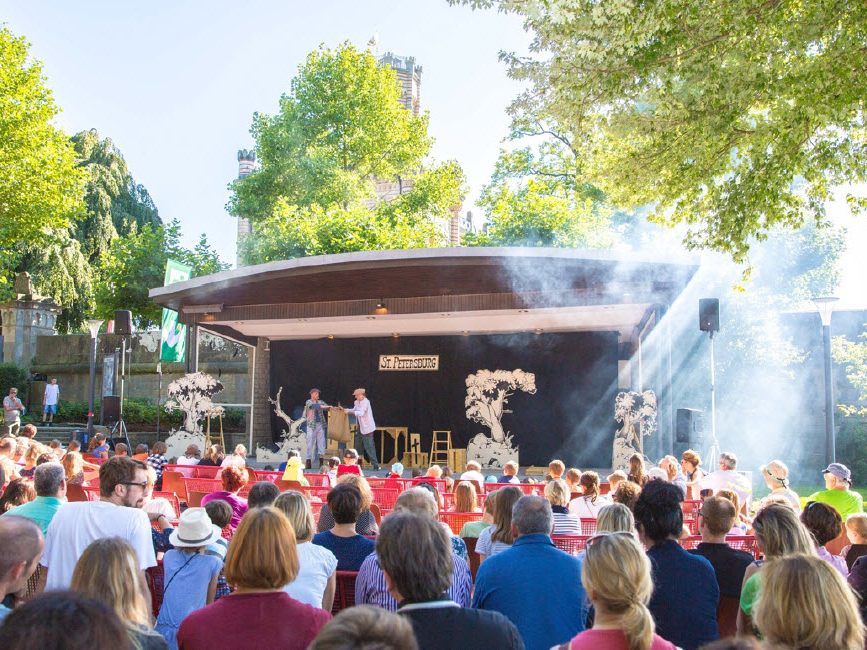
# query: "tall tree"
x,y
732,117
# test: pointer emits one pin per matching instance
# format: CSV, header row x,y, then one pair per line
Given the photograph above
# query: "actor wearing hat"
x,y
313,408
838,495
366,426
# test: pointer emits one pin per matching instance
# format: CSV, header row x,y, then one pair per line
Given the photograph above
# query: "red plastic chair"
x,y
474,558
588,526
385,498
344,594
173,482
316,491
75,492
155,576
206,471
184,470
172,498
456,520
194,499
571,544
206,485
744,543
318,480
375,511
526,488
691,507
690,542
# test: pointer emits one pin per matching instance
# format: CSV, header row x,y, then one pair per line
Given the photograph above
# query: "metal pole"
x,y
92,385
159,394
122,376
714,453
830,446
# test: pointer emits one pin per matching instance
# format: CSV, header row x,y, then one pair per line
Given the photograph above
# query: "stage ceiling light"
x,y
381,309
202,309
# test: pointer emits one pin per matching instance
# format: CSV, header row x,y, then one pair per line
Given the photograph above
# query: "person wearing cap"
x,y
838,493
313,408
190,580
776,476
366,426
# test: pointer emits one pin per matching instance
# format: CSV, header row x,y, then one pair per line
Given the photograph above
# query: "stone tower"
x,y
23,319
246,166
409,75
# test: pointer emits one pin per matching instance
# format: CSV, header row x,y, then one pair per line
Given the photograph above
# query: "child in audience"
x,y
499,536
157,459
740,526
220,514
856,531
333,464
557,493
349,464
73,465
555,469
466,499
825,525
475,528
191,574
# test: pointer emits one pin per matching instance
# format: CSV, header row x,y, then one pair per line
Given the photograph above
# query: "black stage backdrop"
x,y
571,415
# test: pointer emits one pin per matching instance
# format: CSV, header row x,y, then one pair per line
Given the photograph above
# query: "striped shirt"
x,y
488,547
370,586
565,523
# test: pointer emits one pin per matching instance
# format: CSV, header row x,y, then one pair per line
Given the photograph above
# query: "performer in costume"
x,y
366,426
313,408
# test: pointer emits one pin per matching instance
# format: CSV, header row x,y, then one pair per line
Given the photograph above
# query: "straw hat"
x,y
194,529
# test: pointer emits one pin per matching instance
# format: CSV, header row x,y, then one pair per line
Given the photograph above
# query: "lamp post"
x,y
93,325
825,306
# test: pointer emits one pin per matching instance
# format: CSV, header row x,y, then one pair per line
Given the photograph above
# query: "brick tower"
x,y
246,165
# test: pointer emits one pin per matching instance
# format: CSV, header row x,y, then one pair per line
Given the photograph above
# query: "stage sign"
x,y
409,362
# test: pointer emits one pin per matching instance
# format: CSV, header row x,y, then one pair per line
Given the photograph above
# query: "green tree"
x,y
852,355
733,117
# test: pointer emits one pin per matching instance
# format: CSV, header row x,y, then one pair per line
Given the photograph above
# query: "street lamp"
x,y
825,306
93,325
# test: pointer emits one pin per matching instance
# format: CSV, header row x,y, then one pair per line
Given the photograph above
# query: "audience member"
x,y
776,476
350,463
191,456
396,471
435,472
17,493
672,471
141,452
263,493
158,459
466,499
350,548
565,523
738,527
158,508
21,542
30,457
475,528
118,513
366,524
473,473
12,409
588,504
685,593
365,627
317,566
627,493
190,570
838,493
499,536
27,434
262,560
556,468
715,520
237,458
107,571
573,480
220,514
333,465
503,582
120,449
824,524
636,472
779,533
213,457
232,479
858,581
370,586
49,482
510,473
614,479
73,464
616,576
56,448
64,619
420,587
98,447
856,531
806,604
615,518
728,478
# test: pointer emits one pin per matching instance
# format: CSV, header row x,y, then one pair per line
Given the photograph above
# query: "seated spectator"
x,y
191,456
120,449
238,458
779,533
556,469
475,528
64,619
233,479
715,519
806,604
366,524
565,523
49,482
118,513
739,527
838,492
364,626
30,457
614,479
350,548
499,536
449,478
262,560
160,507
685,590
56,448
220,514
293,468
825,525
858,582
333,465
636,472
573,480
503,581
141,452
671,467
17,493
434,472
190,569
627,493
419,588
370,586
615,518
107,571
22,544
263,493
776,476
728,478
856,531
616,576
465,498
657,474
473,473
98,447
213,457
349,464
317,567
73,464
158,459
510,473
588,504
396,471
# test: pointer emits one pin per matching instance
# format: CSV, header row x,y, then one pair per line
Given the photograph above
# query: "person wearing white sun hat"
x,y
190,575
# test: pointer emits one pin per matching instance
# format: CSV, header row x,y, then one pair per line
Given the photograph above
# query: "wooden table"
x,y
396,434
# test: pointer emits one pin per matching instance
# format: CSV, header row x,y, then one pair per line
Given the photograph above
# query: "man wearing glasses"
x,y
118,513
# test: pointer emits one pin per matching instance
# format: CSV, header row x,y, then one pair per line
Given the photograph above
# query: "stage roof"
x,y
431,292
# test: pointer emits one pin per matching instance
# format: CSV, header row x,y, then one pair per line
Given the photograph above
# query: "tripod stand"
x,y
119,429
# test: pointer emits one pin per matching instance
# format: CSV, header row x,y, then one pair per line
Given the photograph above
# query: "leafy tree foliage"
x,y
340,129
733,117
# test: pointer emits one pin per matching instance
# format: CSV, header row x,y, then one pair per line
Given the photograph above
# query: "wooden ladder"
x,y
441,445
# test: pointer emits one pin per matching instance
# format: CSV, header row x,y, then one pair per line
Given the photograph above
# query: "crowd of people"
x,y
263,569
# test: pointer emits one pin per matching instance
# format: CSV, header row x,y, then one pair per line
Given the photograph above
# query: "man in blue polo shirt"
x,y
49,481
511,581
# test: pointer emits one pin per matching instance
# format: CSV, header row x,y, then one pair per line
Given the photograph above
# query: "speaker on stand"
x,y
708,321
123,328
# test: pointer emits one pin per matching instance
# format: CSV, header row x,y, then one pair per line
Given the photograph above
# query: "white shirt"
x,y
316,564
160,506
584,508
183,460
78,524
51,393
233,460
473,475
364,414
729,479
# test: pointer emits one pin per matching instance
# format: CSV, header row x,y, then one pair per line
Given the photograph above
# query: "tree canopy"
x,y
733,117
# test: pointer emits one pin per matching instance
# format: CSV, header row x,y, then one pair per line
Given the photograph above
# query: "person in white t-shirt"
x,y
49,401
728,478
118,513
191,456
473,473
236,459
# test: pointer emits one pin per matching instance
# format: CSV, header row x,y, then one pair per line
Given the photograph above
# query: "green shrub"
x,y
13,376
851,443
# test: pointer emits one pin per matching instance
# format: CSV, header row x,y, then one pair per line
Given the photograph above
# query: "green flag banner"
x,y
173,346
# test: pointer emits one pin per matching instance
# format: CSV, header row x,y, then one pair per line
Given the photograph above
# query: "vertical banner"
x,y
173,340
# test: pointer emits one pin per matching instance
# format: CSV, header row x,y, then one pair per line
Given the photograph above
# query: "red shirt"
x,y
612,640
265,620
348,469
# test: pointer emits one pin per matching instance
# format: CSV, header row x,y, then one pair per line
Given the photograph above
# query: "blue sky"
x,y
175,84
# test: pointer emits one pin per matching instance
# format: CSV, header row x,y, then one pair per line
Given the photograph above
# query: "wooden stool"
x,y
208,442
440,446
457,460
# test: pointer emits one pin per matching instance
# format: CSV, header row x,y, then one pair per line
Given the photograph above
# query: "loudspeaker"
x,y
689,427
123,322
110,409
708,314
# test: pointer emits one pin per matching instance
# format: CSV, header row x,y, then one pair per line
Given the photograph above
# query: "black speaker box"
x,y
110,409
689,427
708,315
123,322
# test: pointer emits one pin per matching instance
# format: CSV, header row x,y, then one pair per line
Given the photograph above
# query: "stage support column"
x,y
260,412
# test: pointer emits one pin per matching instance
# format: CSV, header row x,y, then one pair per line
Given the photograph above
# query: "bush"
x,y
13,376
851,443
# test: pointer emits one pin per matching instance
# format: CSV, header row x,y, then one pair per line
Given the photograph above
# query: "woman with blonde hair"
x,y
73,466
108,571
213,457
498,537
557,493
615,518
317,566
366,524
616,575
261,561
466,499
689,463
806,603
739,527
